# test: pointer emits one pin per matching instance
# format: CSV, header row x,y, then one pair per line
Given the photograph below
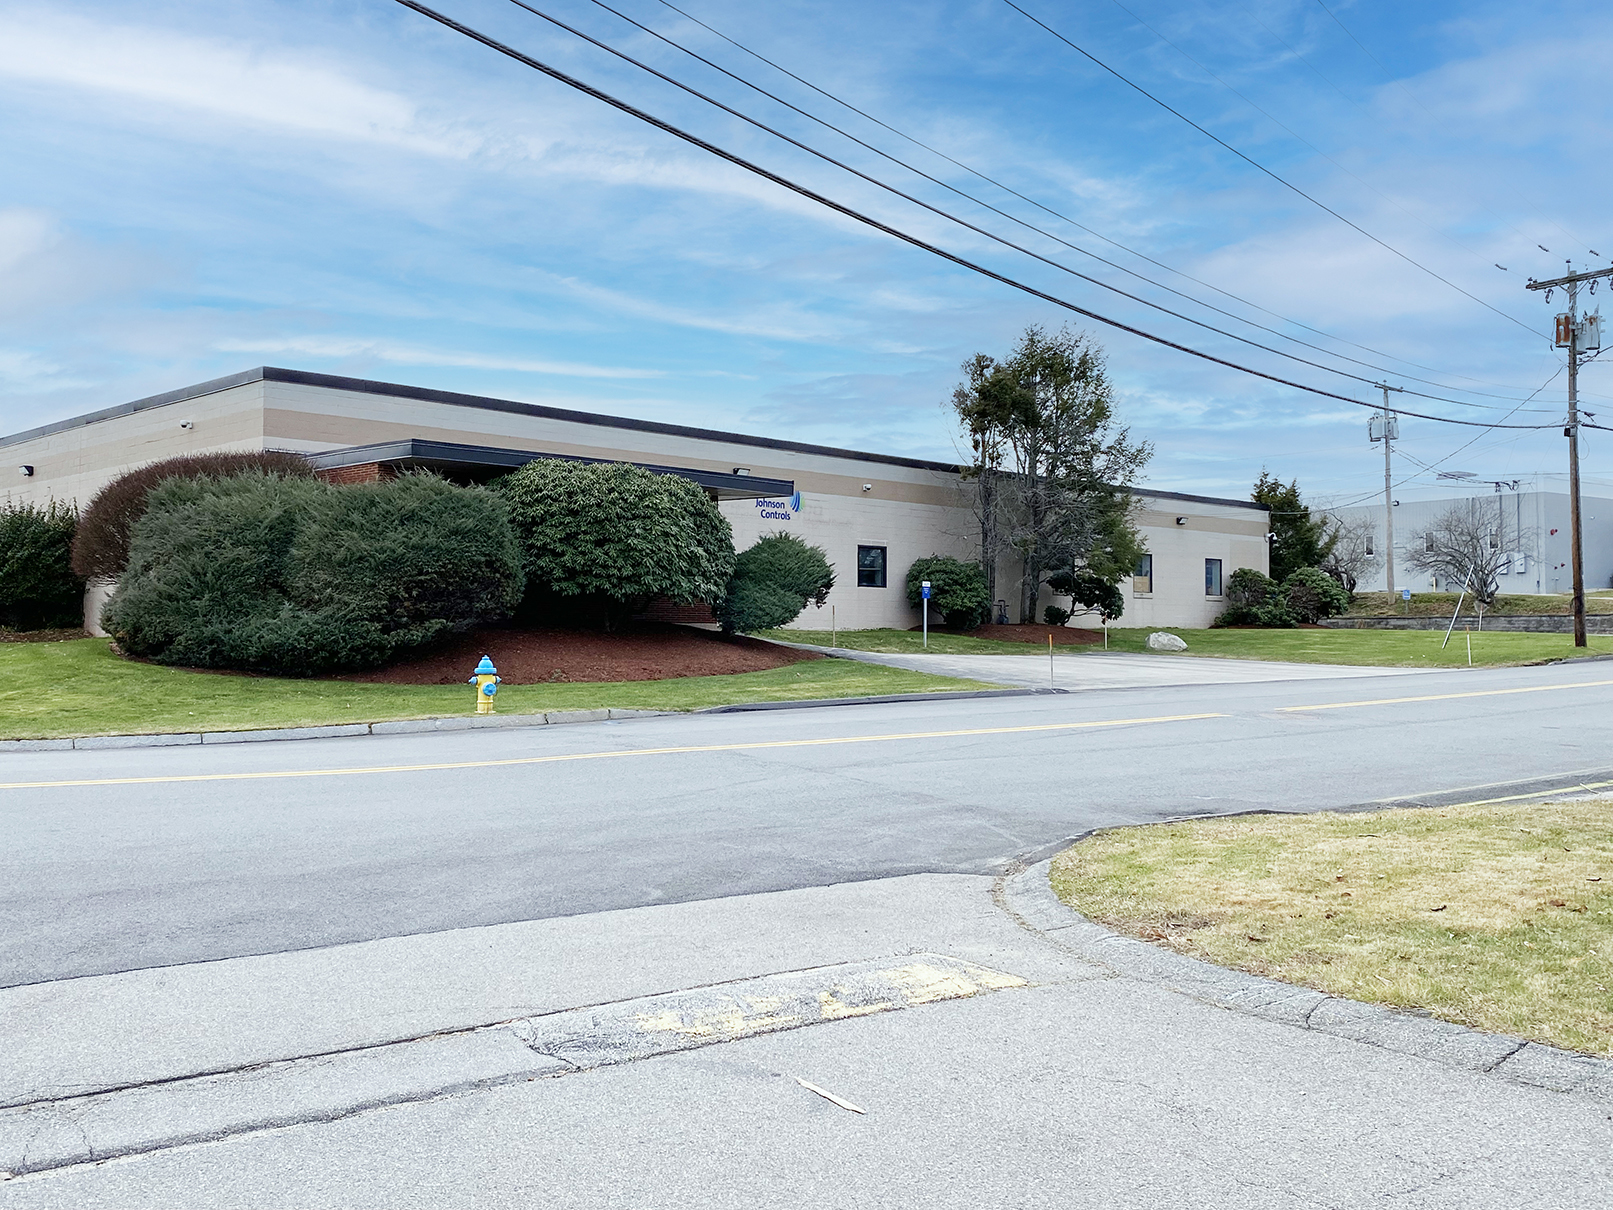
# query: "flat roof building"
x,y
874,514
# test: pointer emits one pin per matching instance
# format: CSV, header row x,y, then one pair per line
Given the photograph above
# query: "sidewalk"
x,y
1009,1070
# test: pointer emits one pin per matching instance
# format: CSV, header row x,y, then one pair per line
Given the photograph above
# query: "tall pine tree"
x,y
1298,539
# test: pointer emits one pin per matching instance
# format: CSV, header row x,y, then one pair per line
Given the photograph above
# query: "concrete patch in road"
x,y
60,1132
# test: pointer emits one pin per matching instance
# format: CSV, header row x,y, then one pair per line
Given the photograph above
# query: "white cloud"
x,y
288,90
405,354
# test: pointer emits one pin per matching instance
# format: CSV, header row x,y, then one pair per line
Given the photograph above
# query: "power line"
x,y
1256,164
896,233
1005,214
978,230
862,113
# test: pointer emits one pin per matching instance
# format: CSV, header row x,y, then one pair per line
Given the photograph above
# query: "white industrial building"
x,y
874,514
1530,530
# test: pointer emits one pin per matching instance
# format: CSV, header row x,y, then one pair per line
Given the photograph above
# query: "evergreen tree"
x,y
1298,539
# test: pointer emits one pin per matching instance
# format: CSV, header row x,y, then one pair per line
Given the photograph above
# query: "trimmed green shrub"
x,y
295,577
773,582
1254,599
1311,595
602,539
1054,616
38,589
1091,590
101,545
957,590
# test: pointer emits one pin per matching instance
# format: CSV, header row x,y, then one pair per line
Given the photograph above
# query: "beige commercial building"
x,y
873,514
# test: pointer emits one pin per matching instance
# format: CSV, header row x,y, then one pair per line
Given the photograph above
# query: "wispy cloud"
x,y
415,355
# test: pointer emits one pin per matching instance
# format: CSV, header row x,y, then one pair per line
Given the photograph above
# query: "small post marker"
x,y
1050,683
924,590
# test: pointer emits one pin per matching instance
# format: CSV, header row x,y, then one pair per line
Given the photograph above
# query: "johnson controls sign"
x,y
778,510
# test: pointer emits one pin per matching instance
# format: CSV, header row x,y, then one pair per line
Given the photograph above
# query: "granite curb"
x,y
1029,897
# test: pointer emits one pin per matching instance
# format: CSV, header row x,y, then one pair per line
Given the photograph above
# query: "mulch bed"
x,y
41,636
1032,632
646,652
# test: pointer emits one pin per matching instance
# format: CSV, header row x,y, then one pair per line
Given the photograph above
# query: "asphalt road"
x,y
182,855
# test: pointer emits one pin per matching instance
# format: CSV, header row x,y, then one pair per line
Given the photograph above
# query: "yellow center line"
x,y
1444,697
567,756
1557,793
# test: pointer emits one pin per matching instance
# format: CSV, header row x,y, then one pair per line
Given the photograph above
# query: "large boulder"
x,y
1161,641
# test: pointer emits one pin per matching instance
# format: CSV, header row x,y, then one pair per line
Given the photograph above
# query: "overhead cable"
x,y
975,172
1261,167
869,221
966,224
676,45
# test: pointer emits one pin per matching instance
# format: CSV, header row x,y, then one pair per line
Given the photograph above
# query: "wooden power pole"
x,y
1576,336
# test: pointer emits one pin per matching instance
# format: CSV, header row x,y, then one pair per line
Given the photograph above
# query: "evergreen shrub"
x,y
600,540
101,545
38,588
292,576
773,582
957,590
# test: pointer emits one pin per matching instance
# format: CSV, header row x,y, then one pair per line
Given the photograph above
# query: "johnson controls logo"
x,y
778,510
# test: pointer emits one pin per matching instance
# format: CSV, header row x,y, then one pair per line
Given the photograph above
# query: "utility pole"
x,y
1574,336
1386,428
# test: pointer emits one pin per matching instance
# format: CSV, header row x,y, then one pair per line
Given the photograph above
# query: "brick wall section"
x,y
663,610
364,472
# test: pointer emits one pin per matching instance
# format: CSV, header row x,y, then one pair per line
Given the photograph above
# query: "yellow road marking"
x,y
1443,697
1557,793
569,756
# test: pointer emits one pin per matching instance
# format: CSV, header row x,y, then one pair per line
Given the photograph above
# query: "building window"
x,y
1212,577
1369,545
1428,543
1495,540
870,567
1142,580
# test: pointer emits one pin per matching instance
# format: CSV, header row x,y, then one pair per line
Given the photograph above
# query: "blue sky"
x,y
192,189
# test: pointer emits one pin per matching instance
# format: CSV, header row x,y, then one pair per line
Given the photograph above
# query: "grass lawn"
x,y
48,690
1440,604
1496,917
1385,648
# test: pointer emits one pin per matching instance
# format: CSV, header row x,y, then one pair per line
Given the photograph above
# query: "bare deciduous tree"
x,y
1466,546
1351,557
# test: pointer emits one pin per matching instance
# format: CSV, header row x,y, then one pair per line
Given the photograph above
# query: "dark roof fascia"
x,y
211,387
1154,495
417,451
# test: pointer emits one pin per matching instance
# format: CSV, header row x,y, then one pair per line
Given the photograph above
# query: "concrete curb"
x,y
408,726
1029,897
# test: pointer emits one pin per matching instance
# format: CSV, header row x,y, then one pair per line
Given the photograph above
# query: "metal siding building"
x,y
850,503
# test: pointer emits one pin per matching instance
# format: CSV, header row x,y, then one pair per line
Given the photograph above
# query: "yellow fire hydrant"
x,y
486,680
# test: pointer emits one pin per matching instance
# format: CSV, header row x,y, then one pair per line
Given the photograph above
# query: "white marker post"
x,y
924,591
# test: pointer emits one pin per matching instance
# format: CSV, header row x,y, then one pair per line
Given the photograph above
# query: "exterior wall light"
x,y
742,470
1181,520
25,471
868,487
187,424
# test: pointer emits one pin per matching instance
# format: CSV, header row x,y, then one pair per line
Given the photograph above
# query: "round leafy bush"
x,y
1091,590
1311,595
101,545
1254,599
1054,616
957,590
296,577
773,582
601,539
38,588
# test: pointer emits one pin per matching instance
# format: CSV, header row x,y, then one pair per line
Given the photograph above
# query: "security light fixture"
x,y
187,424
742,470
868,487
25,471
1181,520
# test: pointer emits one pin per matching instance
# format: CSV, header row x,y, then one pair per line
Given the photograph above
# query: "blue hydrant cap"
x,y
485,667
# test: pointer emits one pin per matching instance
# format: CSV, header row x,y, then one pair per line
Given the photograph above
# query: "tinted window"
x,y
1212,577
870,567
